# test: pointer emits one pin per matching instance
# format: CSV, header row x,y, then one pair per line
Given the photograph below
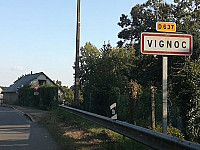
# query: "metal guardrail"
x,y
145,136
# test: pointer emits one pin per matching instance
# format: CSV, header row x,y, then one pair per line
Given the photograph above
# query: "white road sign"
x,y
166,43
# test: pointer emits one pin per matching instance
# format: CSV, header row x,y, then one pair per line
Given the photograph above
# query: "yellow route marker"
x,y
166,26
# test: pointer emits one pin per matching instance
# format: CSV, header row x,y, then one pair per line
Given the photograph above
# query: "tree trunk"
x,y
153,119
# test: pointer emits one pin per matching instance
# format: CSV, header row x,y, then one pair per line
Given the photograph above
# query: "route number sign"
x,y
166,44
166,26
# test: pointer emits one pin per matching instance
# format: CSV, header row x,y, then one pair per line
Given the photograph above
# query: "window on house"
x,y
41,82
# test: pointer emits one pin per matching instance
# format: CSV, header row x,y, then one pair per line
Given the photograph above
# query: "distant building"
x,y
10,94
1,95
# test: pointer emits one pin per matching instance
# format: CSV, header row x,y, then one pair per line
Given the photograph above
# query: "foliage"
x,y
184,80
143,18
103,78
107,73
175,132
57,130
111,140
171,131
47,98
185,71
68,93
134,90
187,95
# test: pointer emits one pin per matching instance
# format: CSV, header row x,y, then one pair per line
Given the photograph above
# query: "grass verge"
x,y
66,129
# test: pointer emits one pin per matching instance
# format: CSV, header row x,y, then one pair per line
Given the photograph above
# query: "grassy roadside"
x,y
73,132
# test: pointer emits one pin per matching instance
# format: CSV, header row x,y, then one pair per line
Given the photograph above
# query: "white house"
x,y
10,94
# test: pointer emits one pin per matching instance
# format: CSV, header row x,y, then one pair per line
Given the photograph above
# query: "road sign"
x,y
36,87
166,44
36,93
166,26
112,108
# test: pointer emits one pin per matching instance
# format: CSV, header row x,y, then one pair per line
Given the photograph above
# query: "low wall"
x,y
10,98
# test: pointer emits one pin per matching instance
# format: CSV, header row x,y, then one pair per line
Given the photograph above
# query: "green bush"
x,y
171,131
175,132
47,98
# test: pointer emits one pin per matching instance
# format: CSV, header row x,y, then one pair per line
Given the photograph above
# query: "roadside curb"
x,y
25,114
29,116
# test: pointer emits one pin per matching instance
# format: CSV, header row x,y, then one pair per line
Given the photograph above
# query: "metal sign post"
x,y
164,88
155,43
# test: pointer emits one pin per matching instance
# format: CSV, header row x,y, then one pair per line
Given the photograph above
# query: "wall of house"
x,y
49,82
10,98
41,77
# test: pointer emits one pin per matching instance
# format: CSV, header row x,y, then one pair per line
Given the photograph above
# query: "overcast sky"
x,y
39,35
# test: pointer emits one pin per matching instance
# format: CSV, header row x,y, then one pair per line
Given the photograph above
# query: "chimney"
x,y
31,72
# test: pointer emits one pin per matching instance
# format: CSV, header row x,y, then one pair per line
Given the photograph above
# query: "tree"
x,y
134,89
186,14
68,95
103,76
88,66
58,83
143,18
185,94
185,71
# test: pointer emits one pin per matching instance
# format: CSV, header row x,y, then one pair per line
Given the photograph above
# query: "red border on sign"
x,y
36,87
166,35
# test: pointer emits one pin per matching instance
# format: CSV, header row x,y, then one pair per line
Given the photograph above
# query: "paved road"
x,y
17,132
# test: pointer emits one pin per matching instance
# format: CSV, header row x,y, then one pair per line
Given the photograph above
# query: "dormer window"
x,y
41,82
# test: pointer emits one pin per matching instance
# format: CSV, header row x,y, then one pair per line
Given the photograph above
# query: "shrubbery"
x,y
170,131
47,98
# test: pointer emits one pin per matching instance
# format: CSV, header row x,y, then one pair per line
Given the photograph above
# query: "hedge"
x,y
47,98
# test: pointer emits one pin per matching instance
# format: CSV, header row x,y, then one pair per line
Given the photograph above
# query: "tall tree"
x,y
104,73
88,66
186,14
184,71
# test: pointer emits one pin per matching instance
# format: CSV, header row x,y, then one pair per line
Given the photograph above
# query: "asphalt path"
x,y
18,132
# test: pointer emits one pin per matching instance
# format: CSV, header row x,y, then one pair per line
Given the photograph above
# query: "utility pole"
x,y
77,80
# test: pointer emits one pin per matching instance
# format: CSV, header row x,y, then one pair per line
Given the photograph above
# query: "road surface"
x,y
17,132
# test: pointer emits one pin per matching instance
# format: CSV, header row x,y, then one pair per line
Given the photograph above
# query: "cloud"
x,y
18,68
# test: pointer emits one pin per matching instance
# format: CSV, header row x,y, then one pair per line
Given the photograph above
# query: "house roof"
x,y
24,80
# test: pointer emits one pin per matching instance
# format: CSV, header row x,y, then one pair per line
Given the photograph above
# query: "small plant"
x,y
171,131
175,132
